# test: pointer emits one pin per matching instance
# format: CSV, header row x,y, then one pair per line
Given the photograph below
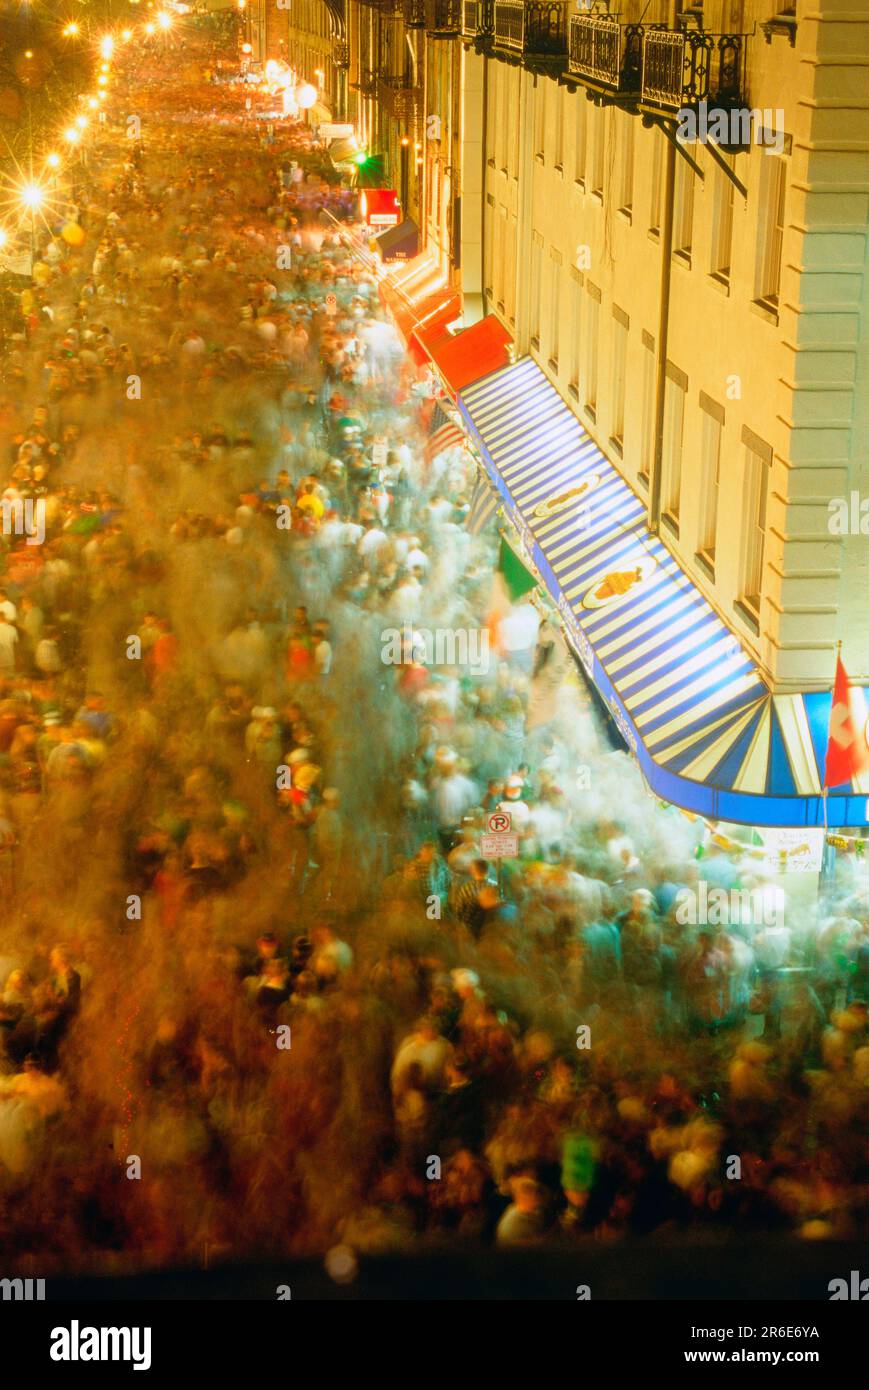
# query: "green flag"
x,y
516,576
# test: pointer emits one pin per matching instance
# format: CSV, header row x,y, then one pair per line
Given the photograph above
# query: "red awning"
x,y
437,311
416,293
466,357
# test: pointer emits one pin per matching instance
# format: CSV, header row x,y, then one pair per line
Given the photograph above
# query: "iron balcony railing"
x,y
341,55
443,18
683,69
367,83
478,20
606,52
414,14
532,27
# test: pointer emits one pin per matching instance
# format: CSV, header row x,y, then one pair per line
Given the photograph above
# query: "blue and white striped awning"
x,y
687,696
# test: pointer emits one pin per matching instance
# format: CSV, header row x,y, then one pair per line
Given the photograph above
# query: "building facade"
x,y
666,210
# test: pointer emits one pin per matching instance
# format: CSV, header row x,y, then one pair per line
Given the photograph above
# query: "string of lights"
x,y
36,190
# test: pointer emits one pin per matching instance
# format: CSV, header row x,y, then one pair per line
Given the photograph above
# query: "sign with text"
x,y
499,846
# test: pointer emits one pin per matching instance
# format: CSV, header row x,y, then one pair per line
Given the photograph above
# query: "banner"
x,y
16,262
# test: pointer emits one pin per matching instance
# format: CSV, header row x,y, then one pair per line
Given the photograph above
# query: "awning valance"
x,y
688,698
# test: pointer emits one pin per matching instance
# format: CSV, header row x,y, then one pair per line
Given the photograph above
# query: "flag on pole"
x,y
847,749
443,433
484,504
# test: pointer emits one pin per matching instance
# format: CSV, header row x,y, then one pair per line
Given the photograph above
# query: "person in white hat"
x,y
518,810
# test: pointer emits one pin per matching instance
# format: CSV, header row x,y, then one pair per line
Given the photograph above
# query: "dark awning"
x,y
399,243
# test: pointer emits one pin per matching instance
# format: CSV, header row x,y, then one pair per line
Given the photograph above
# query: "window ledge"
x,y
643,480
573,390
704,560
559,170
765,310
617,446
597,194
683,258
590,412
721,282
747,615
627,215
535,343
553,365
654,234
539,158
670,523
579,185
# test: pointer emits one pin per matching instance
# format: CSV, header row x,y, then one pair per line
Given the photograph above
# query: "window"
x,y
502,93
561,103
710,463
493,113
510,287
580,131
758,457
656,175
591,347
498,274
675,386
554,309
511,122
540,118
626,169
575,330
490,244
536,287
773,182
722,225
598,151
619,365
683,209
647,441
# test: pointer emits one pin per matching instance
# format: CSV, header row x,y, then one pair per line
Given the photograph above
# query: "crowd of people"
x,y
249,934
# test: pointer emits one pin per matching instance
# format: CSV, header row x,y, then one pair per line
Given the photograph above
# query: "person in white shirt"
x,y
371,543
8,643
7,606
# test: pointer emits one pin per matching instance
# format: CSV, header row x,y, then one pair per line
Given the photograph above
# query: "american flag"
x,y
443,433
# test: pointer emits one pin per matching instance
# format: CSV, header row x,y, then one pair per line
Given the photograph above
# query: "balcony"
x,y
443,19
535,29
682,69
367,83
414,14
606,53
341,55
478,21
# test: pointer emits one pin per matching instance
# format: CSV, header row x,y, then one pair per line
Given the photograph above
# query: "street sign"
x,y
331,304
500,822
499,846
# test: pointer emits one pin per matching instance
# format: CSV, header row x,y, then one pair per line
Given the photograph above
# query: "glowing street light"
x,y
32,196
81,122
53,160
71,31
102,80
4,236
150,28
71,135
93,103
126,35
107,46
164,20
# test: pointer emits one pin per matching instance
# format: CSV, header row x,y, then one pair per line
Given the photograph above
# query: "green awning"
x,y
517,578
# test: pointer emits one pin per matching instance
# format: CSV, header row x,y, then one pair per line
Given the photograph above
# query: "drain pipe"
x,y
663,315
